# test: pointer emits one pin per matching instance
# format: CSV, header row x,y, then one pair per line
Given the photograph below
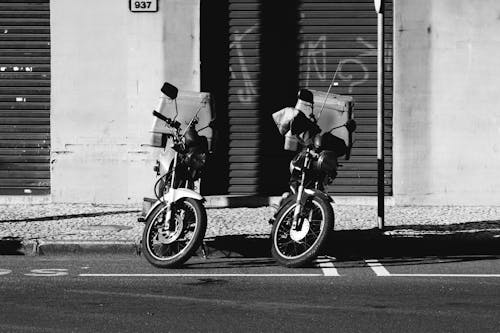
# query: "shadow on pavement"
x,y
69,216
413,242
465,241
247,246
233,262
11,246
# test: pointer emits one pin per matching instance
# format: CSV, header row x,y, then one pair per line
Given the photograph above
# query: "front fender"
x,y
179,193
175,195
315,193
307,194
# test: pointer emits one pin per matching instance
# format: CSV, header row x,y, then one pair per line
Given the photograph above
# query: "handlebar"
x,y
170,122
162,117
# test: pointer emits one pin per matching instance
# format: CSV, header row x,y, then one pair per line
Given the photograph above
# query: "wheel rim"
x,y
284,242
167,246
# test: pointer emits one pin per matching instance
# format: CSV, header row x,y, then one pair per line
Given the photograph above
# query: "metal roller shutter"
x,y
243,95
24,97
346,31
298,43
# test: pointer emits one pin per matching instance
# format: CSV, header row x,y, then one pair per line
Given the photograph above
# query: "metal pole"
x,y
380,112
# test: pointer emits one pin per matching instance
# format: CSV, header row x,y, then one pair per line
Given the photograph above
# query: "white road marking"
x,y
448,275
197,275
48,272
327,266
5,271
380,270
377,267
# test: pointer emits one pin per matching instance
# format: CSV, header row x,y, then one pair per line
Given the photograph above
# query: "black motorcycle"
x,y
305,216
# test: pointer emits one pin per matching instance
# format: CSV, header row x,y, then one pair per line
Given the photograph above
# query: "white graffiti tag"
x,y
315,49
247,93
315,55
315,58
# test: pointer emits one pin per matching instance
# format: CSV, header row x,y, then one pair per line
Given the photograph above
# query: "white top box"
x,y
337,110
183,109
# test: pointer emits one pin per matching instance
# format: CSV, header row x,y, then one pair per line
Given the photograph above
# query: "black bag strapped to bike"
x,y
335,120
331,143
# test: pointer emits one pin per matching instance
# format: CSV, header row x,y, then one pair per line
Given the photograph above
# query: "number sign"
x,y
138,6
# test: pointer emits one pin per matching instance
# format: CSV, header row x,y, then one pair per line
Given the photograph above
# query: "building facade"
x,y
80,79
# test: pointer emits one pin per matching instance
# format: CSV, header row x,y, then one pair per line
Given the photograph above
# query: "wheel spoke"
x,y
185,216
295,251
313,233
286,245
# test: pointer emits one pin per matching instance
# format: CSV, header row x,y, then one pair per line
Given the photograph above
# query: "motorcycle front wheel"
x,y
167,247
297,248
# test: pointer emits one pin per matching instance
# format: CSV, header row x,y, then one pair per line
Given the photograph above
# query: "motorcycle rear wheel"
x,y
168,249
299,248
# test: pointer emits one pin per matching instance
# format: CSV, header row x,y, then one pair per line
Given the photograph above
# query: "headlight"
x,y
327,162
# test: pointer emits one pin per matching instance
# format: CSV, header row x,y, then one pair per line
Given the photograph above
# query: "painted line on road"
x,y
5,271
448,275
380,270
327,266
377,267
198,275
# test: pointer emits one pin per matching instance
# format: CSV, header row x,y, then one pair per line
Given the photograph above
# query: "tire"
x,y
190,227
300,252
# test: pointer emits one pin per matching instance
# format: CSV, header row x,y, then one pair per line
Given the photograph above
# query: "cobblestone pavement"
x,y
86,222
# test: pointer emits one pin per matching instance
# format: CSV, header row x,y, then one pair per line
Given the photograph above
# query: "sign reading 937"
x,y
143,5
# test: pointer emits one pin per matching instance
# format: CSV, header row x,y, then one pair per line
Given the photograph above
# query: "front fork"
x,y
297,220
170,200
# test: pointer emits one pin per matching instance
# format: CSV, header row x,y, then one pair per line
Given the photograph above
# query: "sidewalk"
x,y
105,229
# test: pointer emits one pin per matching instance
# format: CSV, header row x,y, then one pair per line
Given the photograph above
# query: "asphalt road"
x,y
126,294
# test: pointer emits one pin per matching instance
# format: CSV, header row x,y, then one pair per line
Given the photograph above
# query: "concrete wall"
x,y
108,65
446,102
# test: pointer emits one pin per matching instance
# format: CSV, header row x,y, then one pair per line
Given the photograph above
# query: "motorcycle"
x,y
176,223
305,217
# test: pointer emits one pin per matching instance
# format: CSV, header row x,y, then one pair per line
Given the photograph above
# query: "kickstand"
x,y
204,250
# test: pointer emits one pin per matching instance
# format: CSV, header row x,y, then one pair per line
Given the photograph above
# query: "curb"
x,y
84,248
213,247
343,244
240,201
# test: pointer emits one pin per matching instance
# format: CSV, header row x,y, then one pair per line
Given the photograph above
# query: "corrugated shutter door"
x,y
244,67
24,97
327,32
346,31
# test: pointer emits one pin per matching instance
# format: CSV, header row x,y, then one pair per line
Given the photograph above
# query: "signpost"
x,y
379,8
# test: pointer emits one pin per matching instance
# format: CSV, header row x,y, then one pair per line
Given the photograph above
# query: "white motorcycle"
x,y
176,223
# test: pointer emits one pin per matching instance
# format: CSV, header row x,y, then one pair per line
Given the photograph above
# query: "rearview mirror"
x,y
170,90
